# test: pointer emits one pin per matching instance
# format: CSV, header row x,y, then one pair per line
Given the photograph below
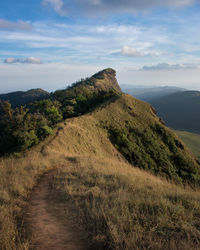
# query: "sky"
x,y
50,44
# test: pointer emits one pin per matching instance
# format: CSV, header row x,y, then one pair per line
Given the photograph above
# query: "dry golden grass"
x,y
121,206
126,208
17,178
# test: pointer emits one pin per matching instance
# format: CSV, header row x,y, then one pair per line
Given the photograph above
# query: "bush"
x,y
44,131
154,149
26,139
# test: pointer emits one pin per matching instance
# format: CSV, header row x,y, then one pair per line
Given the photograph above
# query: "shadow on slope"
x,y
121,206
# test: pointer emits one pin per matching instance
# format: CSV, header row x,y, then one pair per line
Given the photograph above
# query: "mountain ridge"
x,y
19,98
148,93
151,202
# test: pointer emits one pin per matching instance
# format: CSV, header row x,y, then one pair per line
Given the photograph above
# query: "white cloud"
x,y
128,51
11,60
166,66
133,52
93,7
20,25
98,44
57,5
31,60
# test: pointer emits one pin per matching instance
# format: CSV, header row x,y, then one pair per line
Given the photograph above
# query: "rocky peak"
x,y
106,80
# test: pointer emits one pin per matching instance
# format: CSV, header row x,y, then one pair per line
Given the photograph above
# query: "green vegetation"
x,y
122,207
21,128
145,142
158,152
119,204
79,99
192,140
25,126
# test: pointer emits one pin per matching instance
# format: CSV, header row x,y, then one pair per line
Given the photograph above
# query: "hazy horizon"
x,y
122,85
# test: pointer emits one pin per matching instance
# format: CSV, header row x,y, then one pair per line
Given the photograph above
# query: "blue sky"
x,y
52,43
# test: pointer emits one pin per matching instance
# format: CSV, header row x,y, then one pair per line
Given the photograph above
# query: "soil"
x,y
49,222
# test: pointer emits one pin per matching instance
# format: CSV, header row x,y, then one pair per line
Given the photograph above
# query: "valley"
x,y
178,108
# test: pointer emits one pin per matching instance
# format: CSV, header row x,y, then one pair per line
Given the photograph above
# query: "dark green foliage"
x,y
155,149
80,98
23,127
49,109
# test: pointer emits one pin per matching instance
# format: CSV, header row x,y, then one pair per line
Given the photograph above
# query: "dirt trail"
x,y
49,225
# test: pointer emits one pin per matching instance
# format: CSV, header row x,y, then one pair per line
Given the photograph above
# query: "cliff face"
x,y
106,80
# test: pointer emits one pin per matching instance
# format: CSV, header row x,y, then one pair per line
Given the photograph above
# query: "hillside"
x,y
25,126
111,170
137,133
132,126
180,111
149,94
19,98
192,140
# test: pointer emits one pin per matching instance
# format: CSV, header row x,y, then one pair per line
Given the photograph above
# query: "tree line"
x,y
25,126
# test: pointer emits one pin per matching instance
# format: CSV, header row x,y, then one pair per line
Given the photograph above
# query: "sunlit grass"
x,y
126,208
121,206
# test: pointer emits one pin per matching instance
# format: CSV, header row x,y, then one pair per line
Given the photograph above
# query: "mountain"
x,y
111,165
19,98
180,111
149,94
132,126
21,128
106,80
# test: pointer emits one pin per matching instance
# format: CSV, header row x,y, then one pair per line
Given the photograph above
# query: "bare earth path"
x,y
49,225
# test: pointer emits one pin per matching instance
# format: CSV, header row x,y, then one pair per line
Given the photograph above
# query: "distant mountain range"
x,y
19,98
180,109
149,94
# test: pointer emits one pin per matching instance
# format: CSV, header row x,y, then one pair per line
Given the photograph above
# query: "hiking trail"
x,y
49,222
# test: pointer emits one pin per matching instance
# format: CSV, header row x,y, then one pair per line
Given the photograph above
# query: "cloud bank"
x,y
29,60
166,66
20,25
93,7
133,52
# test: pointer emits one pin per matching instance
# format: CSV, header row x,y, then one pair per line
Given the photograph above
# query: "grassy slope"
x,y
192,140
123,207
126,208
145,141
